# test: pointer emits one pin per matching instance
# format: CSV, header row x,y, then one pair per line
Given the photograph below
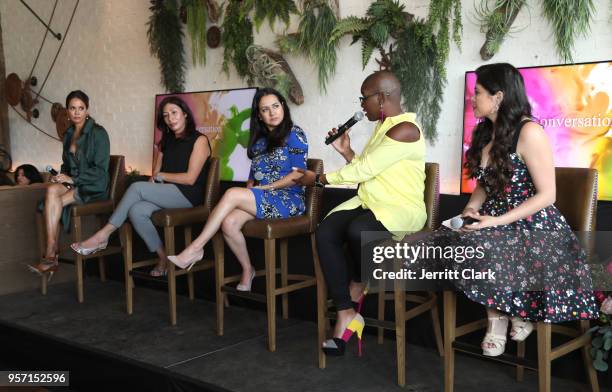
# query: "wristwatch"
x,y
318,182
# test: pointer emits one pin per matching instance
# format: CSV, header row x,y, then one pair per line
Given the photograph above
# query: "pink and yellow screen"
x,y
574,105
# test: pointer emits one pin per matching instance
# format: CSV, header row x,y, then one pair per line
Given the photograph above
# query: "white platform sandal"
x,y
494,344
520,329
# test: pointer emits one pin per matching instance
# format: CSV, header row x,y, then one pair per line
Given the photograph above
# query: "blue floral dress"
x,y
269,167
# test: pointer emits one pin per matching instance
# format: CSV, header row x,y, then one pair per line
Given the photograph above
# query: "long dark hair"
x,y
190,128
259,129
30,172
513,107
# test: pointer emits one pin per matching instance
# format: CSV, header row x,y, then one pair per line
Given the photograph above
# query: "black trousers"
x,y
335,230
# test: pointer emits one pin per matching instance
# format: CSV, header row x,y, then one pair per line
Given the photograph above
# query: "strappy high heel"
x,y
336,346
520,329
189,263
47,265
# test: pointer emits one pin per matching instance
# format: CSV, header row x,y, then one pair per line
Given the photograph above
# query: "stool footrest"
x,y
508,359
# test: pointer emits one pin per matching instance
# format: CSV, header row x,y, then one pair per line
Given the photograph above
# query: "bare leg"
x,y
56,198
234,199
232,233
356,289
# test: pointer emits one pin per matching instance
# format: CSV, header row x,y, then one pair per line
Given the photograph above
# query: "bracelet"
x,y
317,181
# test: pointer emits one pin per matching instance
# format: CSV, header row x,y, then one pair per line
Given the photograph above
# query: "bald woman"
x,y
390,173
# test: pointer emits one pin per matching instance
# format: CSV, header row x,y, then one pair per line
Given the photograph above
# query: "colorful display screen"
x,y
223,116
574,105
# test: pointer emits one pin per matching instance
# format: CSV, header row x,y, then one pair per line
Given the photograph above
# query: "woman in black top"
x,y
177,182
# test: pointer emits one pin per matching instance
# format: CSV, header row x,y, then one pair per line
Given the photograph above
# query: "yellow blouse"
x,y
391,178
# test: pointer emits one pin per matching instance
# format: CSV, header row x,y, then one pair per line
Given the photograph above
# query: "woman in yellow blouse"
x,y
391,176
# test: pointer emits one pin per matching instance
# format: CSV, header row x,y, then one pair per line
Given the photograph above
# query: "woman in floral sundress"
x,y
526,240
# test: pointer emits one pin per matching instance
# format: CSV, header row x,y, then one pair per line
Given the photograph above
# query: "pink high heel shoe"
x,y
189,263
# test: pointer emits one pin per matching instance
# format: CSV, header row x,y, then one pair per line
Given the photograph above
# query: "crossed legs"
x,y
56,198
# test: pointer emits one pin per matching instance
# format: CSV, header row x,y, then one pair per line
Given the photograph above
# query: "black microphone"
x,y
358,116
51,170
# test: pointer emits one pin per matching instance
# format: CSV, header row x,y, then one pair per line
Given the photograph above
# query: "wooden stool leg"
x,y
270,256
170,250
42,233
450,309
381,312
284,272
520,353
588,360
435,320
399,296
78,261
101,264
126,245
190,283
321,302
544,348
218,247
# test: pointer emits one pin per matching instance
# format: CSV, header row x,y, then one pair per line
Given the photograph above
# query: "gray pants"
x,y
140,201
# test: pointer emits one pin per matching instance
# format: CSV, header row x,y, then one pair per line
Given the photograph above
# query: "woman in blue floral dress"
x,y
540,271
276,146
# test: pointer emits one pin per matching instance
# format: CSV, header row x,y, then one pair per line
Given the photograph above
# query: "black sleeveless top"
x,y
176,160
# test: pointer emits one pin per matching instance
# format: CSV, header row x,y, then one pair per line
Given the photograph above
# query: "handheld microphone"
x,y
51,170
459,221
54,173
358,116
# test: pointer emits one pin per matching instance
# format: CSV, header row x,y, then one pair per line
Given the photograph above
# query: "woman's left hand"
x,y
482,221
307,178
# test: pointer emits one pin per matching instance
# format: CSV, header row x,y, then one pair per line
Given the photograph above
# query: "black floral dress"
x,y
540,269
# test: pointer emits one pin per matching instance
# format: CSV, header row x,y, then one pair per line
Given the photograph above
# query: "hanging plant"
x,y
166,43
438,27
384,19
414,50
496,21
317,22
271,10
269,69
569,19
414,62
237,37
196,26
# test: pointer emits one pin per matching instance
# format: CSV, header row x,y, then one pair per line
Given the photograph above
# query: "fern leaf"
x,y
350,25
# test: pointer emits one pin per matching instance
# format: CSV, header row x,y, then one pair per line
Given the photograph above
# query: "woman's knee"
x,y
55,190
234,194
230,225
139,211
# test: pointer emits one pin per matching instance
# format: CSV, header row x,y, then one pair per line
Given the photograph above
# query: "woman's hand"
x,y
342,144
307,178
482,221
60,178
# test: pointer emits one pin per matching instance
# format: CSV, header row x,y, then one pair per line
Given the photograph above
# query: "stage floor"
x,y
239,360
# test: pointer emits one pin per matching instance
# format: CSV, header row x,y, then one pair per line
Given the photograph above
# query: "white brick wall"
x,y
106,54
